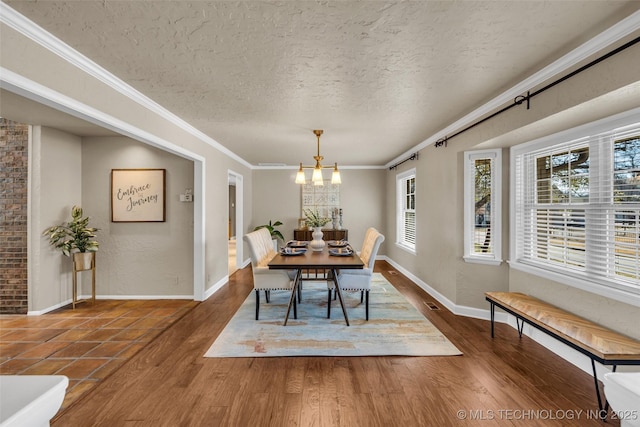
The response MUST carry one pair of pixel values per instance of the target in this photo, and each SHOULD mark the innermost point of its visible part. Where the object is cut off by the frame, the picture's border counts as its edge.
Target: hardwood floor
(500, 381)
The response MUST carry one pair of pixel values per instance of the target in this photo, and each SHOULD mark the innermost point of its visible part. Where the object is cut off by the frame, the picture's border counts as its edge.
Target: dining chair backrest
(265, 279)
(260, 246)
(372, 241)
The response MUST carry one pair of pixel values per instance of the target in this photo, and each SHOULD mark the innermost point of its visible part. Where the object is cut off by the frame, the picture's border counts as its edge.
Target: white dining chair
(356, 279)
(264, 279)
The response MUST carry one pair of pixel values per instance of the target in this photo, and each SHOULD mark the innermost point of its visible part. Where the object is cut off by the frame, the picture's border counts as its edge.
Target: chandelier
(316, 177)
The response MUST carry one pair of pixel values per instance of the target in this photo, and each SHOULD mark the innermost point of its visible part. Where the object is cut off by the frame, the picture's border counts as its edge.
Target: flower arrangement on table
(314, 219)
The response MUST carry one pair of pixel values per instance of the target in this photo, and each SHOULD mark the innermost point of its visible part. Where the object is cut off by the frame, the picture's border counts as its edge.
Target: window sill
(582, 283)
(411, 250)
(481, 260)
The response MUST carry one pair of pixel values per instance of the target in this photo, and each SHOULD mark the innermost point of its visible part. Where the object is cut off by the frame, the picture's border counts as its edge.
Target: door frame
(239, 226)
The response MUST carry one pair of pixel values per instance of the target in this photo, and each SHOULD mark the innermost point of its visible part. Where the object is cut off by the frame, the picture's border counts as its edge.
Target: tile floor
(85, 344)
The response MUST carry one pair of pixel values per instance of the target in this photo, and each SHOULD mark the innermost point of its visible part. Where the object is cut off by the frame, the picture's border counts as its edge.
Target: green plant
(314, 219)
(73, 236)
(272, 229)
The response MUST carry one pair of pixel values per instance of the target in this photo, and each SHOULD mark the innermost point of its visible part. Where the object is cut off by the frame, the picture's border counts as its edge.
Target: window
(577, 207)
(482, 202)
(406, 210)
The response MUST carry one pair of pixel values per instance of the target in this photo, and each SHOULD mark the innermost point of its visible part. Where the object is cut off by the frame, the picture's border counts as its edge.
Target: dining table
(308, 259)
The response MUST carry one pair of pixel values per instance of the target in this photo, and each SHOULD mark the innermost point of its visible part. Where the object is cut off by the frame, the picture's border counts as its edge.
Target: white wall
(135, 259)
(141, 258)
(55, 186)
(362, 198)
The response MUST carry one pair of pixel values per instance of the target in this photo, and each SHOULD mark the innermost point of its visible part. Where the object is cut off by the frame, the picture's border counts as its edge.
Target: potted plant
(75, 237)
(275, 234)
(316, 221)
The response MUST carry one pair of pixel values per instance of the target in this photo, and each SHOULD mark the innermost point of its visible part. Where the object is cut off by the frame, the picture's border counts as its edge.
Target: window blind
(578, 207)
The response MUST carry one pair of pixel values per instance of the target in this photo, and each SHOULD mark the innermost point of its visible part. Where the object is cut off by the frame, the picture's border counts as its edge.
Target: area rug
(394, 327)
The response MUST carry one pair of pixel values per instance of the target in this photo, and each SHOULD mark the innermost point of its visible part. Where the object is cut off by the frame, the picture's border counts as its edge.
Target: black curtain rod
(522, 98)
(414, 156)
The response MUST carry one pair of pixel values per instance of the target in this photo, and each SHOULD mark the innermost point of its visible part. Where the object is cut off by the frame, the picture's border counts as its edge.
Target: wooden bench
(595, 341)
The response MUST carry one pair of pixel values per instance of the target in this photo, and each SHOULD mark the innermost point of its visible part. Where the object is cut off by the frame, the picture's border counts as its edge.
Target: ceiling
(258, 76)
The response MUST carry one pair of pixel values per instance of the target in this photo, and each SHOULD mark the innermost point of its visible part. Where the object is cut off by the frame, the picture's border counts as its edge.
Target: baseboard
(215, 287)
(208, 292)
(567, 353)
(48, 309)
(460, 310)
(109, 297)
(140, 297)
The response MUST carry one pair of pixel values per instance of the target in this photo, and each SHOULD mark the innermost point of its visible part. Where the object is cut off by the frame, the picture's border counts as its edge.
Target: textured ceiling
(378, 77)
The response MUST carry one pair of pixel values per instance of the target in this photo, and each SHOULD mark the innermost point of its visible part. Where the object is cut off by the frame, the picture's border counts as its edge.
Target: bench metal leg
(493, 317)
(520, 324)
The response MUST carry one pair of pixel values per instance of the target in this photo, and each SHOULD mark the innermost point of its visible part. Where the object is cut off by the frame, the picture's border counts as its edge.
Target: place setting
(289, 251)
(340, 248)
(297, 244)
(294, 247)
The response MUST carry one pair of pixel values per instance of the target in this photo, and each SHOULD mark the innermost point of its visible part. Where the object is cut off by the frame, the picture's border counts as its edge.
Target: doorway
(234, 232)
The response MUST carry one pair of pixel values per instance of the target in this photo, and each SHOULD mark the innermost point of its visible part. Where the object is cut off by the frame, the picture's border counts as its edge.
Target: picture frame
(323, 198)
(138, 195)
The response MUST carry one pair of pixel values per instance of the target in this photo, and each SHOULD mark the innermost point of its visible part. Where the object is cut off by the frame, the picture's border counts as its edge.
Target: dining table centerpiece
(316, 221)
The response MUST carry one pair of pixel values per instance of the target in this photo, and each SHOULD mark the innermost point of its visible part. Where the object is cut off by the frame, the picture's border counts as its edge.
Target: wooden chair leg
(329, 304)
(361, 296)
(267, 295)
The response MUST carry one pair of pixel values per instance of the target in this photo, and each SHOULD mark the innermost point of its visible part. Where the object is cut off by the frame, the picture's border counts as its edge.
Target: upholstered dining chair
(359, 280)
(261, 247)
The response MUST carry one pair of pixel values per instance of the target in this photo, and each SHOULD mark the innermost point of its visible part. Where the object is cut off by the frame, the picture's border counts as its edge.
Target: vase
(317, 244)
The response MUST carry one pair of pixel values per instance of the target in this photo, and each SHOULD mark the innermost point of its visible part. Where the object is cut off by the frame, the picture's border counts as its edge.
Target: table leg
(296, 282)
(334, 273)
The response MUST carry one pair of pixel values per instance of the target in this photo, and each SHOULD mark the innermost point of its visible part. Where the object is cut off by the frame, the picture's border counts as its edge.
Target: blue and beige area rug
(395, 327)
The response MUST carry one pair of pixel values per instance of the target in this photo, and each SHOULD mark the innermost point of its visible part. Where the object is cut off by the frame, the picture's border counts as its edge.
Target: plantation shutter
(410, 211)
(578, 207)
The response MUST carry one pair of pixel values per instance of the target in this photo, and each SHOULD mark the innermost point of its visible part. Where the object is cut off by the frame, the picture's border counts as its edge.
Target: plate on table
(292, 251)
(297, 243)
(346, 251)
(338, 243)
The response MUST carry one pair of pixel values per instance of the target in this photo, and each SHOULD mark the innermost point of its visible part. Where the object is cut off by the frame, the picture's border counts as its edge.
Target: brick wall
(13, 217)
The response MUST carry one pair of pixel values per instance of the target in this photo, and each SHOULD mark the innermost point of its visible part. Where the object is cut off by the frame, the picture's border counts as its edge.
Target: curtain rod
(520, 99)
(414, 156)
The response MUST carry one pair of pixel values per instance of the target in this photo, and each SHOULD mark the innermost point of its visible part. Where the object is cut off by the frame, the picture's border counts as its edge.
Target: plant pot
(317, 244)
(83, 260)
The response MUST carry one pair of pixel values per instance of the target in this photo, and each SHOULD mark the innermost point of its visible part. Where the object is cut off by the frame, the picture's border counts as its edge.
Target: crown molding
(31, 30)
(22, 86)
(613, 34)
(296, 167)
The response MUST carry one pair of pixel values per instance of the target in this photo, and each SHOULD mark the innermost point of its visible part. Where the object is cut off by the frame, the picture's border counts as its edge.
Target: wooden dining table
(316, 260)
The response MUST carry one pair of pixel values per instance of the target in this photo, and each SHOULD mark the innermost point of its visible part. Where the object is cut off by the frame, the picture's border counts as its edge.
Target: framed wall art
(138, 195)
(324, 198)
